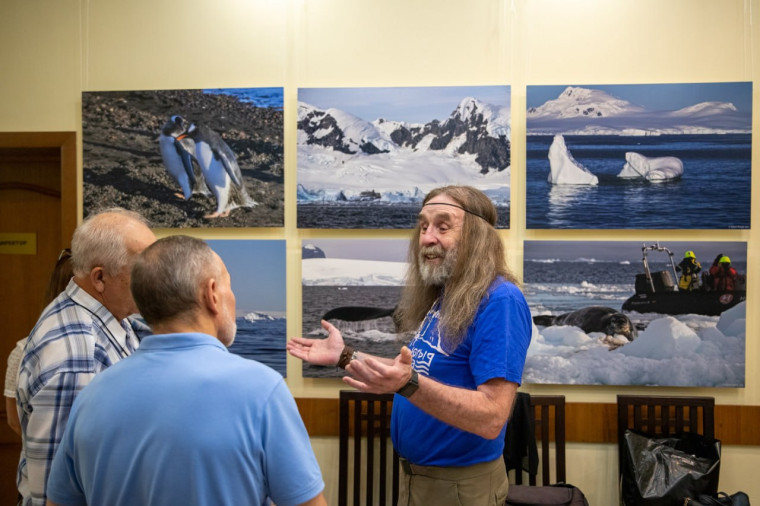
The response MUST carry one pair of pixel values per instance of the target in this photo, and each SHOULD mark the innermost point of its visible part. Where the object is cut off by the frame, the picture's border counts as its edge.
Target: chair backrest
(365, 441)
(547, 413)
(663, 416)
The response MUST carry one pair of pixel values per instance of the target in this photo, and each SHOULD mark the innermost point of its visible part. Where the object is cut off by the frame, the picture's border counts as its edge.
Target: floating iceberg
(256, 317)
(564, 168)
(654, 170)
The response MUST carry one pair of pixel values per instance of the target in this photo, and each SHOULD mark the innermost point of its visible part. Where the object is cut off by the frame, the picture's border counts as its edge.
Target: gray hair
(168, 275)
(101, 241)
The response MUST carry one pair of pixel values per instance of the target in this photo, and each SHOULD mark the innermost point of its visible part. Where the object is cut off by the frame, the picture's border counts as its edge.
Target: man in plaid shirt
(82, 332)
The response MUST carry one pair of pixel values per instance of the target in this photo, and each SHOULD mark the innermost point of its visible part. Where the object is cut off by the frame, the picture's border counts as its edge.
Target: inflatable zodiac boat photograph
(659, 292)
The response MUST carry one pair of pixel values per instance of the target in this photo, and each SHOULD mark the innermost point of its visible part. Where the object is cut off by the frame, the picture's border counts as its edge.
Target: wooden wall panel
(587, 422)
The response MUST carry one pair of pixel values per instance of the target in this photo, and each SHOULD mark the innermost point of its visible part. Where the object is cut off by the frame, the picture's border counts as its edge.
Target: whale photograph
(259, 298)
(639, 156)
(636, 313)
(186, 158)
(368, 156)
(354, 284)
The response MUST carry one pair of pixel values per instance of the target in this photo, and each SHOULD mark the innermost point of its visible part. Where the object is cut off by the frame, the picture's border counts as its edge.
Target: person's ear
(97, 279)
(210, 296)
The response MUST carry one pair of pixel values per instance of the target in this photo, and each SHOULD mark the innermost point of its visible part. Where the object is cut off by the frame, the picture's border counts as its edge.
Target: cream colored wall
(52, 50)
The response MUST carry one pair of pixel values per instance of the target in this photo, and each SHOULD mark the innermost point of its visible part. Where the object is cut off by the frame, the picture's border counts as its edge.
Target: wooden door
(38, 198)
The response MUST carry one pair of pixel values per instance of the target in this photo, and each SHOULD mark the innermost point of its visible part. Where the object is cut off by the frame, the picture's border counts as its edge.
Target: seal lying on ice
(593, 319)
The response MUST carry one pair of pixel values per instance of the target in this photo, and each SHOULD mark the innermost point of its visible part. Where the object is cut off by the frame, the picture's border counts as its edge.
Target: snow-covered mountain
(583, 111)
(340, 131)
(474, 128)
(351, 272)
(256, 317)
(582, 102)
(343, 157)
(706, 109)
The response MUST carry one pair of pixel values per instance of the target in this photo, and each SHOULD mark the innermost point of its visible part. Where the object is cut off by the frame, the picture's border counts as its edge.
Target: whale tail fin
(358, 313)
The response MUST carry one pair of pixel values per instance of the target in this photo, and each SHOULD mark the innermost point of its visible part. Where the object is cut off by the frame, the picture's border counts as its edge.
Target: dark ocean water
(714, 192)
(376, 336)
(562, 286)
(260, 97)
(372, 214)
(262, 340)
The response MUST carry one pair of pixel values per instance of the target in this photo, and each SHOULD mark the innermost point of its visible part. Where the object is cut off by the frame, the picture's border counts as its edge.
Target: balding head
(181, 285)
(103, 249)
(109, 239)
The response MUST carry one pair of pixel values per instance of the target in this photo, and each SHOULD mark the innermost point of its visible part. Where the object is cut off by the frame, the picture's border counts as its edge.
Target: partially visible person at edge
(723, 275)
(59, 278)
(183, 421)
(458, 378)
(689, 267)
(81, 333)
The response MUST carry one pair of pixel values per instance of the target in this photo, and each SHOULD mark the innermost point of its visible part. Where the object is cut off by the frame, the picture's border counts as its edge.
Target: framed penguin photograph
(186, 158)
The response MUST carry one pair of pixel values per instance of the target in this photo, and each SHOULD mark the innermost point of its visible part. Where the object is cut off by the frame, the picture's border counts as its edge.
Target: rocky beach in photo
(122, 164)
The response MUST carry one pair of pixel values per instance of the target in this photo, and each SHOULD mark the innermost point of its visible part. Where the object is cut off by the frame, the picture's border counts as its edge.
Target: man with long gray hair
(458, 378)
(81, 333)
(183, 421)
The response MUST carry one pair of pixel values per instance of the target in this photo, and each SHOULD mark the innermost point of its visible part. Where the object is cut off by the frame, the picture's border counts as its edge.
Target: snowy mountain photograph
(639, 156)
(355, 284)
(368, 156)
(259, 298)
(598, 320)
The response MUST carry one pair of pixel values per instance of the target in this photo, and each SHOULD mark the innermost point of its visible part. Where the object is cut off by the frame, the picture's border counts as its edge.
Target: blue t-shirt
(183, 421)
(494, 347)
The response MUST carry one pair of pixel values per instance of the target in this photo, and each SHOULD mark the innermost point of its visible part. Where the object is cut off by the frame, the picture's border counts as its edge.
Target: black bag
(552, 495)
(662, 471)
(719, 499)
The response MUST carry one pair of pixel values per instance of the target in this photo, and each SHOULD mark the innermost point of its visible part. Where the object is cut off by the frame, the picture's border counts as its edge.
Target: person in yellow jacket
(689, 267)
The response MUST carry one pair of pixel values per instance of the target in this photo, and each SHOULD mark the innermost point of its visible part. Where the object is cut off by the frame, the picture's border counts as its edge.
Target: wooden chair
(365, 443)
(548, 419)
(663, 416)
(365, 431)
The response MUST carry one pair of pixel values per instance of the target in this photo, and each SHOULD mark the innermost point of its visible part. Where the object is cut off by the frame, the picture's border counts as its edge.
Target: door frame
(66, 143)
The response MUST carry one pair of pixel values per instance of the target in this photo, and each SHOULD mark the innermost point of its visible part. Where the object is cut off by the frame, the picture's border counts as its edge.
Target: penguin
(220, 169)
(179, 157)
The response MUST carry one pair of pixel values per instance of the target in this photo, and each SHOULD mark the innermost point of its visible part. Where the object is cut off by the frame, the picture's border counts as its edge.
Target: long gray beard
(437, 275)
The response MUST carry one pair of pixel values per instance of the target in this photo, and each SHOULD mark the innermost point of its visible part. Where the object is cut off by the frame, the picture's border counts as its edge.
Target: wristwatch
(411, 386)
(346, 356)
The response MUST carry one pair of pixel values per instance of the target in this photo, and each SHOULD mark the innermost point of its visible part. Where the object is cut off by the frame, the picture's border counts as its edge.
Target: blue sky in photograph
(387, 250)
(657, 97)
(257, 269)
(410, 104)
(631, 251)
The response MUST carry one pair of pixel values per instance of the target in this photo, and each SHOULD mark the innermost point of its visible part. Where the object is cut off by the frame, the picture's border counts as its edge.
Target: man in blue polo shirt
(458, 378)
(182, 420)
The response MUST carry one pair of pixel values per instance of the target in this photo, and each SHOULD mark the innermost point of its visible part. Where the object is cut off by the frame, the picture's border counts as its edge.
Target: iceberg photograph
(186, 158)
(368, 156)
(355, 284)
(639, 156)
(631, 313)
(259, 298)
